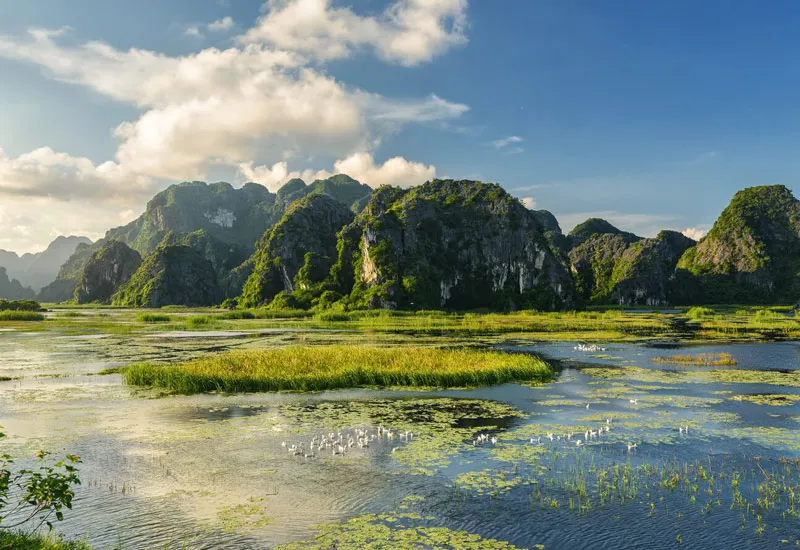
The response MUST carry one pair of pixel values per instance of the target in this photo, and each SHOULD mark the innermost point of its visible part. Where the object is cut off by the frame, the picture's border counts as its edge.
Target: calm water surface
(212, 471)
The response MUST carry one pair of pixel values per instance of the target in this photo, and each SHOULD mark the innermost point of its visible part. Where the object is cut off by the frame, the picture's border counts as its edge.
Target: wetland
(613, 447)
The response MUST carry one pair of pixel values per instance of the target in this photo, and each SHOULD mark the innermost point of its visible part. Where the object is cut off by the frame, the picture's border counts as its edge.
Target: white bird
(608, 421)
(550, 436)
(634, 401)
(578, 442)
(631, 447)
(494, 441)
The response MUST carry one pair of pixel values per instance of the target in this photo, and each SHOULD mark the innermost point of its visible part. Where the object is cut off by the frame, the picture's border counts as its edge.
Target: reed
(11, 315)
(153, 318)
(306, 368)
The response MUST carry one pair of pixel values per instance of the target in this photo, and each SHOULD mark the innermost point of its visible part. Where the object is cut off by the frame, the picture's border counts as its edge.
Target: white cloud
(396, 171)
(46, 173)
(695, 233)
(249, 107)
(528, 202)
(408, 32)
(503, 142)
(227, 107)
(221, 25)
(192, 31)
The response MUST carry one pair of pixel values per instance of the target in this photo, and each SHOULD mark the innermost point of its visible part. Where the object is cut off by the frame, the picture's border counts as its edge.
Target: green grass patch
(699, 312)
(305, 368)
(700, 360)
(153, 318)
(11, 315)
(20, 541)
(199, 321)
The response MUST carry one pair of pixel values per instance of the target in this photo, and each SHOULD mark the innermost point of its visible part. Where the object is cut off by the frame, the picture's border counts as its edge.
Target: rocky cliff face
(223, 256)
(171, 275)
(298, 251)
(107, 270)
(63, 288)
(234, 216)
(612, 268)
(12, 289)
(453, 244)
(752, 254)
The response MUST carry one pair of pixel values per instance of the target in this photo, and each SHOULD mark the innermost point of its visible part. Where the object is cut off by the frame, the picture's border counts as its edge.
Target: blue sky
(651, 114)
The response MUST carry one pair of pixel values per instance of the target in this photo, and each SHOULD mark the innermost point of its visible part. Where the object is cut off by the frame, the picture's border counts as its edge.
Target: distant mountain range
(37, 270)
(445, 244)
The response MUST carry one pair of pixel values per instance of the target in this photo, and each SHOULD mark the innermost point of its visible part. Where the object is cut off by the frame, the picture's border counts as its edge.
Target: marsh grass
(22, 541)
(153, 318)
(10, 315)
(305, 368)
(700, 360)
(199, 321)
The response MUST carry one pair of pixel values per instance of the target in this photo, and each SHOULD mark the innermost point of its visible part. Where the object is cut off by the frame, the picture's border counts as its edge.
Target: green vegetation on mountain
(751, 255)
(233, 216)
(171, 275)
(107, 270)
(597, 226)
(610, 269)
(223, 256)
(341, 188)
(63, 288)
(298, 252)
(447, 243)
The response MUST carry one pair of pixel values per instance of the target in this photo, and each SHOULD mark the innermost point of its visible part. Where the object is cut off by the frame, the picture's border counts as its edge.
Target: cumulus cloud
(528, 202)
(695, 233)
(192, 30)
(46, 173)
(396, 171)
(221, 25)
(408, 32)
(250, 107)
(226, 106)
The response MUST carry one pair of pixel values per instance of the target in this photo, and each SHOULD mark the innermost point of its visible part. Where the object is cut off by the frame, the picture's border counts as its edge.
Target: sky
(649, 114)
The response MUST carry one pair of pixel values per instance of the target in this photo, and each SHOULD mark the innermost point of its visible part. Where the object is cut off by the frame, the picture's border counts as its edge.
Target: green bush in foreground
(11, 315)
(303, 368)
(20, 541)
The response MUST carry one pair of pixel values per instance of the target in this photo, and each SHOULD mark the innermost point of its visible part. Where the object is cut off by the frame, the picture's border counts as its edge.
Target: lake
(682, 456)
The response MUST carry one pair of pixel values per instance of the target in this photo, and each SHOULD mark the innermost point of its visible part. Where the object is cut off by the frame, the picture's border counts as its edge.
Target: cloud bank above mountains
(263, 107)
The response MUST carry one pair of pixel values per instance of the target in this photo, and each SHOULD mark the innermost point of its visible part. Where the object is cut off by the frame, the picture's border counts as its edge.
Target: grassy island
(305, 368)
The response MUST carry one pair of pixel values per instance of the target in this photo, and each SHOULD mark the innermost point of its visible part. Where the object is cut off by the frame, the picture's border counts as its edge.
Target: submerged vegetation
(700, 360)
(299, 368)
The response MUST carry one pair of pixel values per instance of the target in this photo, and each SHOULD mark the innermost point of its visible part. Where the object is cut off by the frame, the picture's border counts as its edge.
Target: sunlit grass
(305, 368)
